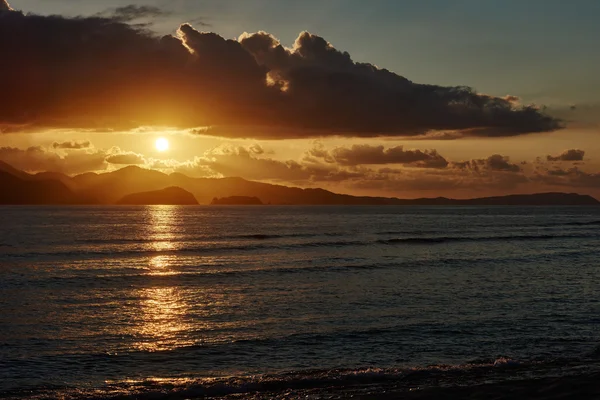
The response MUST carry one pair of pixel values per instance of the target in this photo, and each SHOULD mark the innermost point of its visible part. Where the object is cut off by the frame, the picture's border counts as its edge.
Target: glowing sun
(162, 144)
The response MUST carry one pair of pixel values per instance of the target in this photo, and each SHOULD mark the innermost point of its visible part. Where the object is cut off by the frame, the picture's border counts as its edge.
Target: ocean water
(273, 301)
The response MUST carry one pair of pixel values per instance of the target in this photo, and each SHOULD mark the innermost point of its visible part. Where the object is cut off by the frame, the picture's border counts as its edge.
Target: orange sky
(308, 115)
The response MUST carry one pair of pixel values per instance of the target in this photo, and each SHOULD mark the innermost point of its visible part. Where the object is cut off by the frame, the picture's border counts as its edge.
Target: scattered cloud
(494, 162)
(73, 145)
(571, 177)
(38, 159)
(199, 21)
(371, 155)
(568, 155)
(73, 157)
(133, 12)
(125, 158)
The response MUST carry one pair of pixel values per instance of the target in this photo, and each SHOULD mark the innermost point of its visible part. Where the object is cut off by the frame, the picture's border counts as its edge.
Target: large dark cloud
(568, 155)
(101, 72)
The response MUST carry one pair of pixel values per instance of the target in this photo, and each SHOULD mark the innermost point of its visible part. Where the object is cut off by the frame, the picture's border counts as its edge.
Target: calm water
(112, 300)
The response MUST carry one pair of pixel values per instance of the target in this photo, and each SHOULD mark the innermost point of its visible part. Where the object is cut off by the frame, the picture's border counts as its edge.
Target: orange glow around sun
(161, 144)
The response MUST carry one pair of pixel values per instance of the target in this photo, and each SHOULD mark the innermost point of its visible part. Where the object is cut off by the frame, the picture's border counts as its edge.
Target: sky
(357, 97)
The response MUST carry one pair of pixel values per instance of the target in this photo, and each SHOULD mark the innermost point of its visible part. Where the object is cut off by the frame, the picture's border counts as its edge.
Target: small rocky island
(236, 201)
(169, 196)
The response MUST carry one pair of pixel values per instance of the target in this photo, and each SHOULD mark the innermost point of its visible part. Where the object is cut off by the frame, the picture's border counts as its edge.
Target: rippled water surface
(97, 296)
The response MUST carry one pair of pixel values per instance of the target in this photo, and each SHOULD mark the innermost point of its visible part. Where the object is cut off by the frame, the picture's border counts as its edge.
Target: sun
(162, 144)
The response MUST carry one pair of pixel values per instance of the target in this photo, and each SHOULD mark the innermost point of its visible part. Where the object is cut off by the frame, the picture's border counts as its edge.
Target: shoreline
(550, 382)
(580, 387)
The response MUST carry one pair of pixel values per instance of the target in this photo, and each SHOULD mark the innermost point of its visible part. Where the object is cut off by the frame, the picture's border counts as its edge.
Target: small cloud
(126, 158)
(496, 162)
(568, 155)
(133, 12)
(256, 149)
(199, 21)
(74, 145)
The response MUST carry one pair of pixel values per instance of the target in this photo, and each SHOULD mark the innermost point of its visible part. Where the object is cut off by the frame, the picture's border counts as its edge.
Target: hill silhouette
(16, 190)
(168, 196)
(112, 187)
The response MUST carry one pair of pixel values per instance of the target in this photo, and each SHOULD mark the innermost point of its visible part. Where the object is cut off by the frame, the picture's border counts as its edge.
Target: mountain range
(19, 187)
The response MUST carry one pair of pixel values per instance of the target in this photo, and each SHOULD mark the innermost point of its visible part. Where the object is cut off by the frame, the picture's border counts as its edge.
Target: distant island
(135, 185)
(168, 196)
(237, 201)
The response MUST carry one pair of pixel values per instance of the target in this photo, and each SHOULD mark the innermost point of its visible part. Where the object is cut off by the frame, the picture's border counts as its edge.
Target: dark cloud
(133, 12)
(572, 177)
(568, 155)
(341, 94)
(101, 72)
(495, 162)
(74, 145)
(124, 158)
(367, 154)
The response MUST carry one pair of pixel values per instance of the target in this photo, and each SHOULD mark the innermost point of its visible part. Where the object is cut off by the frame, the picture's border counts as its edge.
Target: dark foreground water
(278, 301)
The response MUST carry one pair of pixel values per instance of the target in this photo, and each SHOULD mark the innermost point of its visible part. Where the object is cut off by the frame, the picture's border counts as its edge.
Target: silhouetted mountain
(22, 191)
(538, 199)
(9, 169)
(237, 200)
(110, 187)
(56, 176)
(168, 196)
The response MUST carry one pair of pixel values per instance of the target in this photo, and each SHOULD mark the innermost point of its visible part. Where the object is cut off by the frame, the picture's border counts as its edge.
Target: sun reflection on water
(163, 222)
(163, 319)
(163, 309)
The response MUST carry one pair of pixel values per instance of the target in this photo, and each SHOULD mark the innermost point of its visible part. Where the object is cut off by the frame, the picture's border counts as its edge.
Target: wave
(253, 236)
(210, 248)
(202, 249)
(584, 223)
(450, 239)
(327, 383)
(475, 229)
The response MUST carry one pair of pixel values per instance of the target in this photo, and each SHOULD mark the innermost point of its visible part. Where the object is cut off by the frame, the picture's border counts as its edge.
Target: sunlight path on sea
(162, 309)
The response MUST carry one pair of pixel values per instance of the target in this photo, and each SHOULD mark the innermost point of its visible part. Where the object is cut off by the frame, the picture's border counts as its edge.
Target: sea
(270, 302)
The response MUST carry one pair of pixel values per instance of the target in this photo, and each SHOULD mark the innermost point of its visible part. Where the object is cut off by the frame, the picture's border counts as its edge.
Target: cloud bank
(392, 170)
(103, 73)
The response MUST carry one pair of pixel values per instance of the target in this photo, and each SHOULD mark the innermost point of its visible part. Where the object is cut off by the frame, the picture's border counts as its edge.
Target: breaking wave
(333, 383)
